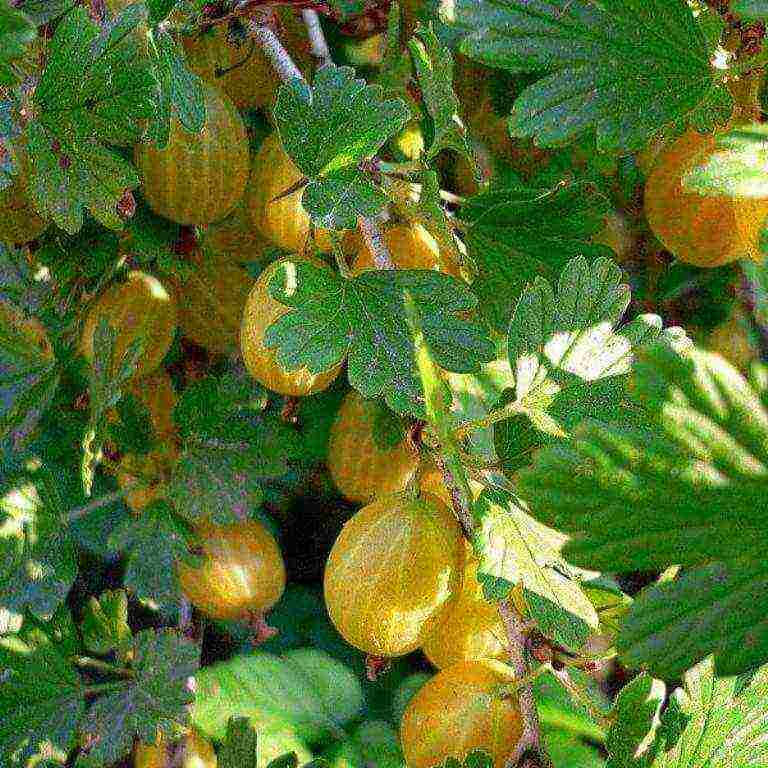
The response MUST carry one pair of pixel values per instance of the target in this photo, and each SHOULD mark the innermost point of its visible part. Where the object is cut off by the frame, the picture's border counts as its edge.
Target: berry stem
(103, 501)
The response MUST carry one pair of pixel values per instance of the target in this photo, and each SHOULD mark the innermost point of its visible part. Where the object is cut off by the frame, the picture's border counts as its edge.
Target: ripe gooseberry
(261, 310)
(241, 573)
(469, 627)
(198, 177)
(394, 565)
(193, 752)
(467, 706)
(361, 466)
(703, 230)
(140, 308)
(411, 247)
(283, 221)
(211, 302)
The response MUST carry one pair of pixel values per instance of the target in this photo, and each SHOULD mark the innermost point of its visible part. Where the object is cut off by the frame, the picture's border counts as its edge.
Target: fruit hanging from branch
(261, 310)
(363, 463)
(470, 705)
(395, 564)
(139, 308)
(703, 230)
(241, 573)
(198, 177)
(193, 751)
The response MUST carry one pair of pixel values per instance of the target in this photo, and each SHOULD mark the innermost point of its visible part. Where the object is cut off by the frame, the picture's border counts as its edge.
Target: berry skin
(149, 472)
(241, 573)
(211, 302)
(706, 231)
(19, 221)
(198, 177)
(463, 707)
(261, 310)
(156, 393)
(284, 222)
(197, 752)
(361, 469)
(237, 238)
(469, 627)
(395, 564)
(141, 307)
(411, 247)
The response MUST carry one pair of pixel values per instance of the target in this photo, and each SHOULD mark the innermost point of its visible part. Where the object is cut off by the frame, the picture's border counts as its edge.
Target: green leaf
(41, 700)
(29, 375)
(474, 759)
(304, 691)
(180, 91)
(328, 129)
(433, 63)
(104, 624)
(718, 722)
(737, 167)
(150, 704)
(107, 377)
(635, 719)
(364, 319)
(513, 548)
(624, 70)
(153, 543)
(373, 743)
(240, 745)
(517, 234)
(682, 495)
(570, 358)
(45, 11)
(750, 10)
(16, 33)
(159, 9)
(96, 91)
(37, 557)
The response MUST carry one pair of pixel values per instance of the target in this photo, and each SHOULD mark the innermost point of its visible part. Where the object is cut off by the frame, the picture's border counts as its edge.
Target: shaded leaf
(104, 625)
(16, 32)
(240, 745)
(607, 73)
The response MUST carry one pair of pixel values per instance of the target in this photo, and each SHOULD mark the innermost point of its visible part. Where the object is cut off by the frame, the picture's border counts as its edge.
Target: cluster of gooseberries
(400, 576)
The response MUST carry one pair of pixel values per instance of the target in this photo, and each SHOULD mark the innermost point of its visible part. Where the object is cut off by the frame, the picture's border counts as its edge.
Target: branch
(317, 39)
(530, 744)
(275, 51)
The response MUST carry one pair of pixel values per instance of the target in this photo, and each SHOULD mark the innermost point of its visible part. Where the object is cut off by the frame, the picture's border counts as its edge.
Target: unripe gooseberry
(140, 308)
(702, 230)
(196, 752)
(411, 247)
(241, 572)
(211, 302)
(395, 564)
(469, 627)
(19, 220)
(237, 238)
(363, 467)
(156, 394)
(470, 705)
(367, 51)
(261, 310)
(198, 177)
(283, 221)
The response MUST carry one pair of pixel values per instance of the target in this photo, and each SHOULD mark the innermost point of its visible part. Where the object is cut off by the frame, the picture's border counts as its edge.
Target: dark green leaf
(104, 624)
(16, 33)
(45, 11)
(750, 10)
(374, 743)
(608, 74)
(41, 700)
(517, 234)
(433, 63)
(96, 91)
(37, 557)
(304, 691)
(336, 201)
(150, 703)
(29, 375)
(159, 9)
(513, 548)
(153, 543)
(364, 319)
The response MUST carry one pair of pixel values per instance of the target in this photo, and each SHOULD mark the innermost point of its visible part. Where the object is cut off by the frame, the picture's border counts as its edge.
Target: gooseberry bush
(383, 384)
